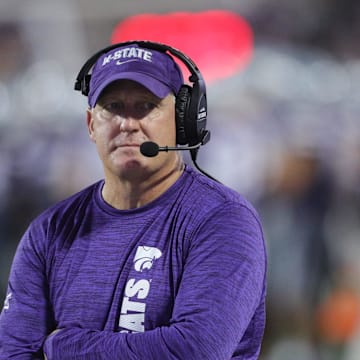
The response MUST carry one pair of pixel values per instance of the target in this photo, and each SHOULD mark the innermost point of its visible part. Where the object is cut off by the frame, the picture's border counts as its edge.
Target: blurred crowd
(285, 133)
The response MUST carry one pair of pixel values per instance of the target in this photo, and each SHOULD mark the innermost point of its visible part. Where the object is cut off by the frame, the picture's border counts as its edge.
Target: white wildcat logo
(145, 256)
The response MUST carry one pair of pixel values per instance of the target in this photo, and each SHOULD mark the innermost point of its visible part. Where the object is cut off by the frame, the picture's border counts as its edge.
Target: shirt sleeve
(25, 320)
(222, 286)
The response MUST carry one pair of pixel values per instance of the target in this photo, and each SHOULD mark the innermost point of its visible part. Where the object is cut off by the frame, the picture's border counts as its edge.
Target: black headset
(190, 105)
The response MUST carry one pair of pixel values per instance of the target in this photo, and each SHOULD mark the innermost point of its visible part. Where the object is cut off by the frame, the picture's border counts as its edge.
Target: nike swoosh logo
(124, 62)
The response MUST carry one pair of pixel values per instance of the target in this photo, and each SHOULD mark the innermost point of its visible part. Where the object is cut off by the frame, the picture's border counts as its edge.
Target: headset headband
(83, 75)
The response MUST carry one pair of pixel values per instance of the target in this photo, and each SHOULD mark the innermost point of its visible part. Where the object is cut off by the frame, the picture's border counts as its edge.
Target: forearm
(83, 344)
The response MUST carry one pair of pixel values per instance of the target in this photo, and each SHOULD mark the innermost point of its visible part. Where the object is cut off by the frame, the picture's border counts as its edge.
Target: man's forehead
(119, 87)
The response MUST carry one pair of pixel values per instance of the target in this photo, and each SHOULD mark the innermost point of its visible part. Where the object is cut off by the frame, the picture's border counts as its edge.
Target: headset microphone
(151, 149)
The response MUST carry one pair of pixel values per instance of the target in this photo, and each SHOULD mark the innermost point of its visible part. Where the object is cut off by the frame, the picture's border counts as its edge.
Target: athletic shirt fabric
(183, 277)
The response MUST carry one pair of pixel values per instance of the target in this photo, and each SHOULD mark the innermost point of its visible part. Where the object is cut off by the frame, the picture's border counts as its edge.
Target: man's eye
(114, 107)
(145, 106)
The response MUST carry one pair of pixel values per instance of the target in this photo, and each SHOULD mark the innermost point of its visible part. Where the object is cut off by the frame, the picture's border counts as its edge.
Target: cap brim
(155, 86)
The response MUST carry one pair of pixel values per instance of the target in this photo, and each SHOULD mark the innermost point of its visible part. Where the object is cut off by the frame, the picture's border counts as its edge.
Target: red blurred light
(219, 42)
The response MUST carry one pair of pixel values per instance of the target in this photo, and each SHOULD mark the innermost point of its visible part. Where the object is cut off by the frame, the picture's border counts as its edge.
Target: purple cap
(155, 70)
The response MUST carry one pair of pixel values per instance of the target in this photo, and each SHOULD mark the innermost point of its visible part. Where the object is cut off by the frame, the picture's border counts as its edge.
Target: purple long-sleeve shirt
(180, 278)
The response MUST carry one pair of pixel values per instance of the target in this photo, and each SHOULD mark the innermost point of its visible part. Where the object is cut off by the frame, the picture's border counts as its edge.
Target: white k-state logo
(124, 55)
(145, 257)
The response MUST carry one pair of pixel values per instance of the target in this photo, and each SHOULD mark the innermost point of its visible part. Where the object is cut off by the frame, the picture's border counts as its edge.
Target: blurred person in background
(21, 196)
(156, 261)
(294, 211)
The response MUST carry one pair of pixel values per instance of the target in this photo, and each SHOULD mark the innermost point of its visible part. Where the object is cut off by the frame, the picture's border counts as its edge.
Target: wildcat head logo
(145, 256)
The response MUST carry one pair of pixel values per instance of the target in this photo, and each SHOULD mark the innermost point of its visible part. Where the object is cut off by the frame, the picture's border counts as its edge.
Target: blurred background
(284, 115)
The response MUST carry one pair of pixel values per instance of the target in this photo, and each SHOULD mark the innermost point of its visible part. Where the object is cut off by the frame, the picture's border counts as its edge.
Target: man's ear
(90, 124)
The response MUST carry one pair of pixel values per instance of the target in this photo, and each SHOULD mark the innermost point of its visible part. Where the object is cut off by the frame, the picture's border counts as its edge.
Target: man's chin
(132, 168)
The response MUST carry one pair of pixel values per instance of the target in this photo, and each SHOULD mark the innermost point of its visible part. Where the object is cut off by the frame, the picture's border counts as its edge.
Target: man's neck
(125, 194)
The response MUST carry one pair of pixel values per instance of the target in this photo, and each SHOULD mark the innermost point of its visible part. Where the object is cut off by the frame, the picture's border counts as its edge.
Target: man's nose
(128, 123)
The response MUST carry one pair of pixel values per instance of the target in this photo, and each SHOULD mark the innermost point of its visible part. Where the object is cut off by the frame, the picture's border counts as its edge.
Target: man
(156, 261)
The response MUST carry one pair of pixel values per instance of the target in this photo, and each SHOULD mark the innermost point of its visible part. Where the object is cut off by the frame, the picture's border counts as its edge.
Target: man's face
(125, 116)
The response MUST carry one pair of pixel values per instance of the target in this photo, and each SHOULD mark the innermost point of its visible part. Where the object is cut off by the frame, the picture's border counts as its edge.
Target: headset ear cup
(181, 112)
